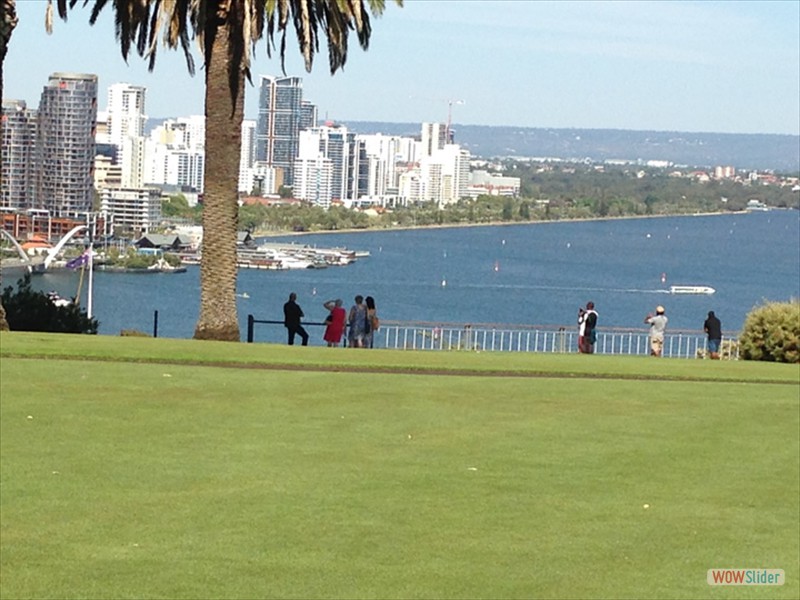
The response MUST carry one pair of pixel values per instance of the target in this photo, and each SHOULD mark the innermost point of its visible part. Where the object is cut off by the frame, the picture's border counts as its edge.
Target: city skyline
(663, 66)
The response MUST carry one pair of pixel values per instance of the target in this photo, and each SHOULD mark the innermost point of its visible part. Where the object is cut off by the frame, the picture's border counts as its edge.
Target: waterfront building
(126, 121)
(247, 156)
(36, 223)
(445, 175)
(308, 115)
(388, 158)
(410, 187)
(102, 137)
(314, 180)
(125, 112)
(279, 118)
(175, 153)
(181, 167)
(484, 183)
(183, 132)
(65, 145)
(133, 211)
(17, 168)
(348, 156)
(266, 179)
(433, 137)
(107, 174)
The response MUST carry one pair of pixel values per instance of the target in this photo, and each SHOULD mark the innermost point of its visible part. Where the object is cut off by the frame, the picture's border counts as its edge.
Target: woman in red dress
(336, 322)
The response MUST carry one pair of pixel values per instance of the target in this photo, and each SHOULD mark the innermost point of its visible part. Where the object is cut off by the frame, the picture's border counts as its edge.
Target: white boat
(691, 289)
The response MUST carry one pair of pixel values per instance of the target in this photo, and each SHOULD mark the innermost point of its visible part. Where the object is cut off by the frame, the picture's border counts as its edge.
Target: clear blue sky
(731, 67)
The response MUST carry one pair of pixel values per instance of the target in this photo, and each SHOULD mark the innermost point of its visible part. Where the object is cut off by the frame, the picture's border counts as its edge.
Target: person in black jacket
(292, 313)
(587, 323)
(713, 327)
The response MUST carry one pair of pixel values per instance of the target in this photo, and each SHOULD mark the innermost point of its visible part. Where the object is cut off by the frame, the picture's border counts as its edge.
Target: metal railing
(521, 338)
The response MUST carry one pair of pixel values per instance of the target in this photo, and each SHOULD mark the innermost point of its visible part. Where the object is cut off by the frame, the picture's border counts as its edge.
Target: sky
(724, 67)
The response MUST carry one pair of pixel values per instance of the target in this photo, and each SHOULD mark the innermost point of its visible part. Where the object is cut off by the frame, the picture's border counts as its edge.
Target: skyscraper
(126, 116)
(16, 174)
(279, 117)
(65, 144)
(247, 156)
(308, 115)
(347, 156)
(126, 121)
(434, 137)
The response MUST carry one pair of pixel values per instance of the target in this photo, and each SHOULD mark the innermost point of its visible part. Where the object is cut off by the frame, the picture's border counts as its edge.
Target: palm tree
(227, 32)
(8, 21)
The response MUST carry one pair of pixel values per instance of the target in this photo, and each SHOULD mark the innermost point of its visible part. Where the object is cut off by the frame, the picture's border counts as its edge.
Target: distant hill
(761, 152)
(704, 150)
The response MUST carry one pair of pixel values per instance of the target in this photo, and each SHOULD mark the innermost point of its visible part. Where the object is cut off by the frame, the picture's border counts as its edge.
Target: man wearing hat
(658, 324)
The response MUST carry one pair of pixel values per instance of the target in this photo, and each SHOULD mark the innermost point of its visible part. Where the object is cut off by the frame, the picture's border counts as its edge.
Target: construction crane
(450, 118)
(450, 104)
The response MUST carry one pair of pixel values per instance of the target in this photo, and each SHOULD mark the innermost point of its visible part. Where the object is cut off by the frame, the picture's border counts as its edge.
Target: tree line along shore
(574, 193)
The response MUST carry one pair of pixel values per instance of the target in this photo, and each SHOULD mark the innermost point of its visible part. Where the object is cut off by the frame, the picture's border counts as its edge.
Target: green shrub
(772, 333)
(27, 310)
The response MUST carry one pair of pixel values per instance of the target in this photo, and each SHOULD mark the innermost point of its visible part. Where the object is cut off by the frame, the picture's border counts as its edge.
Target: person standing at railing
(335, 322)
(357, 319)
(292, 314)
(372, 323)
(658, 325)
(713, 327)
(587, 322)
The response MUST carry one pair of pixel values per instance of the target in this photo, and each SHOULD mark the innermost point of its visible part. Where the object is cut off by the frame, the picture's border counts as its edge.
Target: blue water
(517, 274)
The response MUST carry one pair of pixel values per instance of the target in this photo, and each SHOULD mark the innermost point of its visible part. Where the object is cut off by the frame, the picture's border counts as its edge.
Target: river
(536, 274)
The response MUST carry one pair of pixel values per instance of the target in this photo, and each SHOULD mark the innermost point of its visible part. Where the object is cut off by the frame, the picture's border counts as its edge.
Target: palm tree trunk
(8, 21)
(218, 318)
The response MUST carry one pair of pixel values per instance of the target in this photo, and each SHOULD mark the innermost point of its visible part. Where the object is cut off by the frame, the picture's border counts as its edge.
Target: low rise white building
(135, 210)
(485, 183)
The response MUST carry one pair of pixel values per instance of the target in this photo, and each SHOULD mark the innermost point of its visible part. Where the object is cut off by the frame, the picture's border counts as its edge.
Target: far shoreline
(273, 234)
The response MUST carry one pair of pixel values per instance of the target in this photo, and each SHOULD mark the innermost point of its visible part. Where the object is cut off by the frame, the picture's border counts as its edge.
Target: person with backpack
(372, 322)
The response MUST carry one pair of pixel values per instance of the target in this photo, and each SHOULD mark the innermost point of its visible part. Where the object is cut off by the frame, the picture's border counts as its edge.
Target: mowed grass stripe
(490, 364)
(144, 481)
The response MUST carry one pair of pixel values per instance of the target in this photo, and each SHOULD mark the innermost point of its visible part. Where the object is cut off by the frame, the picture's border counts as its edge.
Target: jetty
(272, 256)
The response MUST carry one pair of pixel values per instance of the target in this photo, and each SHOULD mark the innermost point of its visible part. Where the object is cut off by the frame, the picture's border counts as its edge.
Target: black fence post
(155, 323)
(250, 322)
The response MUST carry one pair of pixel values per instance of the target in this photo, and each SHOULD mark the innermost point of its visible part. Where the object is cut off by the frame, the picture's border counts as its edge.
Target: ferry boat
(691, 289)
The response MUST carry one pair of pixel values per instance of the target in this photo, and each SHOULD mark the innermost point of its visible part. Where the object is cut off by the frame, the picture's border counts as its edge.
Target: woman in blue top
(357, 321)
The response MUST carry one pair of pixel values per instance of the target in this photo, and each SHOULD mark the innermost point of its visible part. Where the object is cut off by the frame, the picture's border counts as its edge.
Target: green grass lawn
(139, 468)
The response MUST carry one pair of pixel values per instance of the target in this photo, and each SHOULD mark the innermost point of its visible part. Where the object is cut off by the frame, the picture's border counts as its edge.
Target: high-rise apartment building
(175, 155)
(308, 115)
(434, 137)
(16, 171)
(314, 180)
(125, 122)
(445, 175)
(279, 118)
(65, 144)
(349, 163)
(126, 116)
(247, 156)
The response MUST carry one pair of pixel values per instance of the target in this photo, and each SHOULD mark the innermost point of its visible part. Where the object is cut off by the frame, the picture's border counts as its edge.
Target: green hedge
(772, 333)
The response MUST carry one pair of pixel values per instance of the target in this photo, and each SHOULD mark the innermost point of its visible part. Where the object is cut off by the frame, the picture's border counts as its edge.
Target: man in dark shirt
(713, 327)
(292, 313)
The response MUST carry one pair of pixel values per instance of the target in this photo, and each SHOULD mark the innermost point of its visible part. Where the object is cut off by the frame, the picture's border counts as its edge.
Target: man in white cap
(658, 324)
